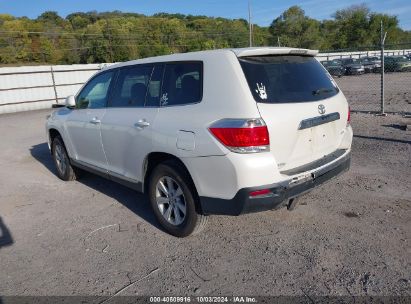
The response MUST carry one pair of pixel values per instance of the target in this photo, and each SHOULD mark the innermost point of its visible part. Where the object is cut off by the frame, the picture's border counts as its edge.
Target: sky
(263, 11)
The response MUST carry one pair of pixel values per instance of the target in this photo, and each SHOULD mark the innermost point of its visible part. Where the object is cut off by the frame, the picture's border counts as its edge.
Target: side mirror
(70, 101)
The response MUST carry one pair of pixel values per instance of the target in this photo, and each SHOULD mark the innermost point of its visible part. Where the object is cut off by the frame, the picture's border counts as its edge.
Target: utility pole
(249, 23)
(109, 41)
(383, 36)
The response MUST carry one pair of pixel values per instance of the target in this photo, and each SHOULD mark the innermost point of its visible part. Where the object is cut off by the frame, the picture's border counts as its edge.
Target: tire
(175, 210)
(65, 170)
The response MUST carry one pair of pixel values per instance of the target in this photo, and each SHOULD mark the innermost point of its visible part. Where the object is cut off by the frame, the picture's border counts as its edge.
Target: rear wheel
(174, 199)
(62, 161)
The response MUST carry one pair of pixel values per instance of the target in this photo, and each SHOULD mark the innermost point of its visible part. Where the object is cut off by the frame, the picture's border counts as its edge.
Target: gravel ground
(94, 237)
(364, 94)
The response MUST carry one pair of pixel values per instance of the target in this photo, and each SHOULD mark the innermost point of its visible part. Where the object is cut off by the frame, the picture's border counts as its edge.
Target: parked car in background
(371, 64)
(215, 132)
(334, 67)
(397, 64)
(352, 66)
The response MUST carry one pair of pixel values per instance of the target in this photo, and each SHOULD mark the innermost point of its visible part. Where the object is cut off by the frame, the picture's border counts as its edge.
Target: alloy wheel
(170, 200)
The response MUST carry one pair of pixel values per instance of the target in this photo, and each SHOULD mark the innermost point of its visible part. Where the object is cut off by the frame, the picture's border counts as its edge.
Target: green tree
(293, 28)
(50, 17)
(94, 37)
(390, 25)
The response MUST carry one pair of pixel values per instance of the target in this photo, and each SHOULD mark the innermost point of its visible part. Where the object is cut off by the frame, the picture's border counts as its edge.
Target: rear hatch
(301, 104)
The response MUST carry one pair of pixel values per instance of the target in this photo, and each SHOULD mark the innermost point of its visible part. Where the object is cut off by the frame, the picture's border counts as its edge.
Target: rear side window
(182, 83)
(287, 79)
(131, 87)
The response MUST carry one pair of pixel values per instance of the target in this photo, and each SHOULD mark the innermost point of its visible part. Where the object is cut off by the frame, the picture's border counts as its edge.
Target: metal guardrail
(360, 54)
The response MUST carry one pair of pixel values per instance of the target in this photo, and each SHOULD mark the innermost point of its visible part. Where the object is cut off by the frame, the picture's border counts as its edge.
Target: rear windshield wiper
(322, 91)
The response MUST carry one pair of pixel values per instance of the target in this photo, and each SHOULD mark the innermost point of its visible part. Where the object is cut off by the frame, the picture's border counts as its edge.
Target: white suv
(214, 132)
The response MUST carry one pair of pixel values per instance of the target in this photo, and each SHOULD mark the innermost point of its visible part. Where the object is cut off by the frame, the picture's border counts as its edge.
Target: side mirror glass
(70, 101)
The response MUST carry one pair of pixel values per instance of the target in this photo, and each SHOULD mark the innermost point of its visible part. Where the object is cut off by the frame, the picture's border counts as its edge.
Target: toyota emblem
(321, 109)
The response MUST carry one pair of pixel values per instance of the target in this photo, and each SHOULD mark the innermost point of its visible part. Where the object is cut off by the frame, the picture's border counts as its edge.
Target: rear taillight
(242, 135)
(349, 116)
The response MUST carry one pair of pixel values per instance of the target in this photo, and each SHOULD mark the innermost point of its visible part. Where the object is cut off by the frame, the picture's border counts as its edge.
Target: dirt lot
(363, 91)
(94, 237)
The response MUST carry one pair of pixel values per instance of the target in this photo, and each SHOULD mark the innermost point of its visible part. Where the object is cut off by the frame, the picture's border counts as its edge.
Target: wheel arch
(52, 134)
(155, 158)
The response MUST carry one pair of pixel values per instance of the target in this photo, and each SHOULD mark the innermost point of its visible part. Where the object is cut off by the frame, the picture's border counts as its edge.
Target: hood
(355, 66)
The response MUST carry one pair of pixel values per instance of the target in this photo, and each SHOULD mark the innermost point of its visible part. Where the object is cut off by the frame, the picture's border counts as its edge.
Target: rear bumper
(281, 193)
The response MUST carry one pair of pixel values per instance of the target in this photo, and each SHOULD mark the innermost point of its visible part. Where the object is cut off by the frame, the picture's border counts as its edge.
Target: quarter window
(94, 94)
(182, 84)
(131, 87)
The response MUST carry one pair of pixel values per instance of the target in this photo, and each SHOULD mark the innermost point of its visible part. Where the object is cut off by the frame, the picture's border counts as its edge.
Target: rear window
(287, 79)
(402, 59)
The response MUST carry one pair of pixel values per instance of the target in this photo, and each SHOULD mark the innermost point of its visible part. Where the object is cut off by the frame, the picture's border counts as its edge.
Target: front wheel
(62, 161)
(173, 199)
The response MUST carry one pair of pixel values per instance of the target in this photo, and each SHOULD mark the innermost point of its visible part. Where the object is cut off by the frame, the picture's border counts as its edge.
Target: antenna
(249, 23)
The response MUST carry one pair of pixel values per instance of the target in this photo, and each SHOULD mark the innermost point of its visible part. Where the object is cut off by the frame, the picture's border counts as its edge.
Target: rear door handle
(142, 123)
(95, 121)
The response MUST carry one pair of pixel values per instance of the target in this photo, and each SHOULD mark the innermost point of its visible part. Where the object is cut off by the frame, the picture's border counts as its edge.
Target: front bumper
(406, 68)
(280, 193)
(357, 71)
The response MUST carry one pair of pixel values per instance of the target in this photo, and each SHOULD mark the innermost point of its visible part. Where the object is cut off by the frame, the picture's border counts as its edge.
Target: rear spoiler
(246, 52)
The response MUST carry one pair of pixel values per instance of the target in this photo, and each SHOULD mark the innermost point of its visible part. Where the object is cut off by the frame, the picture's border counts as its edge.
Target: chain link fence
(368, 86)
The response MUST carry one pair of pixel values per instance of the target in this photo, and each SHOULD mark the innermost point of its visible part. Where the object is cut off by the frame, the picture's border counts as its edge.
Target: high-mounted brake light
(242, 135)
(299, 52)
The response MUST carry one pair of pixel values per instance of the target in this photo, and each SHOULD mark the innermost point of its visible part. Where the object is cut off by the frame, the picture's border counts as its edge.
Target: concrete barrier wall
(37, 87)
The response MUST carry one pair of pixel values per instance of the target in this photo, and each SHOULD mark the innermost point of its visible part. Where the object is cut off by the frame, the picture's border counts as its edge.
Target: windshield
(330, 63)
(287, 79)
(396, 59)
(351, 61)
(402, 59)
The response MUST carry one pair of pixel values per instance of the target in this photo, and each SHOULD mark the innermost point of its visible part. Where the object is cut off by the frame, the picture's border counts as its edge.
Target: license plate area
(302, 178)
